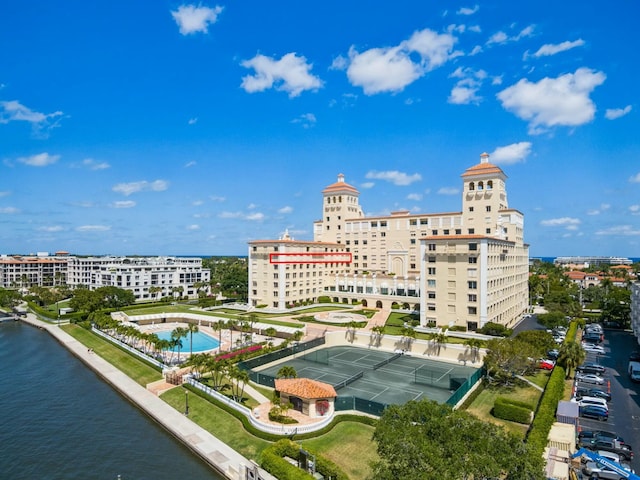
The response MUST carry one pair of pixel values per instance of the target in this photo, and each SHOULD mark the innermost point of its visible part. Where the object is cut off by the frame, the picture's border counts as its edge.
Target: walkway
(220, 456)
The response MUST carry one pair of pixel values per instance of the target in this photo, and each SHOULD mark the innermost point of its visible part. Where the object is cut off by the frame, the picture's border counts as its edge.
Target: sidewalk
(226, 461)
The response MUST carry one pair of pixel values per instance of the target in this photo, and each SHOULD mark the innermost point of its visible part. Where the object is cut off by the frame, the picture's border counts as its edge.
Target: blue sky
(155, 127)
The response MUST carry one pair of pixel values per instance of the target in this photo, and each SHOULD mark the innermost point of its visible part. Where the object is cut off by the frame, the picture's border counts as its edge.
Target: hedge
(273, 462)
(514, 411)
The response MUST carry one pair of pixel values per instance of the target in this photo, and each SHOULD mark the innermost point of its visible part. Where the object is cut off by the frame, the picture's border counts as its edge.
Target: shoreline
(218, 455)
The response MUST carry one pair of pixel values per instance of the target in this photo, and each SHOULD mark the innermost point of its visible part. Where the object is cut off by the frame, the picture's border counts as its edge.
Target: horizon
(154, 127)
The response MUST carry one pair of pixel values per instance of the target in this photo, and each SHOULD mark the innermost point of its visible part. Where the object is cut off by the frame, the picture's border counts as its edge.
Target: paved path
(220, 456)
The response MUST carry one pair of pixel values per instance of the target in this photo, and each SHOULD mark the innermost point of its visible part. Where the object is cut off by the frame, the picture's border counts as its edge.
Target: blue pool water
(201, 341)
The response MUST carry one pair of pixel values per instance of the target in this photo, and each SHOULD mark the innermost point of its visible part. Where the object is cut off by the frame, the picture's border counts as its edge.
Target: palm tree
(474, 345)
(297, 335)
(408, 335)
(191, 328)
(219, 326)
(570, 356)
(230, 325)
(241, 378)
(379, 333)
(439, 339)
(176, 337)
(271, 332)
(287, 371)
(198, 363)
(351, 330)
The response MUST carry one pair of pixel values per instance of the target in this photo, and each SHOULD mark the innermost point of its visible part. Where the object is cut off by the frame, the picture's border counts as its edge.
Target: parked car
(585, 401)
(593, 348)
(554, 354)
(593, 392)
(590, 436)
(609, 445)
(634, 356)
(596, 470)
(590, 378)
(594, 411)
(547, 364)
(591, 367)
(593, 337)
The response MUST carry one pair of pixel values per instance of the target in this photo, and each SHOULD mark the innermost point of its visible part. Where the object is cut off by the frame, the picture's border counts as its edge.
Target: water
(61, 421)
(201, 341)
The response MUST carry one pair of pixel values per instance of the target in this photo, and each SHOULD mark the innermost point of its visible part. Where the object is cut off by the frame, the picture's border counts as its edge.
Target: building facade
(147, 278)
(463, 268)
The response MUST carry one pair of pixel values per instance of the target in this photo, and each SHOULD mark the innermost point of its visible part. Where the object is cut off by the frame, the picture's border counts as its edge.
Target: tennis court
(385, 377)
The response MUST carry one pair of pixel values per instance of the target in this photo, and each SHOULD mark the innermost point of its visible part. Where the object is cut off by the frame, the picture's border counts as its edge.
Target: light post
(186, 402)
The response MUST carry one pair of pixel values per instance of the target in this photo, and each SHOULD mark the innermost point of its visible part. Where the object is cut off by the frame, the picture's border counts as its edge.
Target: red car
(547, 364)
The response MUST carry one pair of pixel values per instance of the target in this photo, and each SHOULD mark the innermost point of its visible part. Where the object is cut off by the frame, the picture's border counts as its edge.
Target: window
(472, 284)
(473, 246)
(472, 231)
(473, 259)
(473, 297)
(431, 295)
(446, 232)
(488, 231)
(431, 270)
(424, 221)
(431, 307)
(471, 209)
(458, 231)
(488, 208)
(412, 266)
(472, 310)
(432, 247)
(431, 259)
(434, 232)
(413, 241)
(431, 283)
(413, 221)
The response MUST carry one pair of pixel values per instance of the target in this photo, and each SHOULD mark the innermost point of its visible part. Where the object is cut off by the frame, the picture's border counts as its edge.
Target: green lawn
(350, 446)
(134, 368)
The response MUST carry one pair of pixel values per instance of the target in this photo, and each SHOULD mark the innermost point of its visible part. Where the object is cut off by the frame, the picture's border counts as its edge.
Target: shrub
(514, 411)
(495, 329)
(272, 461)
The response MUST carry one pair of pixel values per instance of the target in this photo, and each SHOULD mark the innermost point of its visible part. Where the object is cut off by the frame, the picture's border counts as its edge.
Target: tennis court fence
(387, 361)
(349, 380)
(282, 353)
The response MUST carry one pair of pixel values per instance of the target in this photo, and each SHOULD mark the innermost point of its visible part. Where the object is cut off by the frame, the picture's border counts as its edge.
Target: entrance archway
(297, 403)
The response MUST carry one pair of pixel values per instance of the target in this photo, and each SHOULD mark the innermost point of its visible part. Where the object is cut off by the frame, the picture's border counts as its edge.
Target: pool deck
(222, 458)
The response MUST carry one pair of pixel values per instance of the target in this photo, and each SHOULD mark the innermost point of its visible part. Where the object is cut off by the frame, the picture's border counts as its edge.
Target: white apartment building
(463, 268)
(165, 276)
(42, 269)
(147, 277)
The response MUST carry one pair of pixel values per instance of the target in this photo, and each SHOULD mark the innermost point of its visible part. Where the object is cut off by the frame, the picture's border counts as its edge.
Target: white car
(590, 378)
(592, 348)
(596, 470)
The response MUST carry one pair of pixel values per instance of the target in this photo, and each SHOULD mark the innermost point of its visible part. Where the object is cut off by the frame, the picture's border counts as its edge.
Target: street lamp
(186, 402)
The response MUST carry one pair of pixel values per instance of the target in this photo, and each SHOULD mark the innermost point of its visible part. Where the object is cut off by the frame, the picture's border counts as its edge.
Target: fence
(129, 348)
(465, 387)
(348, 402)
(282, 353)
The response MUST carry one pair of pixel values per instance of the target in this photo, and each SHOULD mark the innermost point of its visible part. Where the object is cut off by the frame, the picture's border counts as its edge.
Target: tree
(378, 331)
(439, 339)
(176, 338)
(191, 328)
(297, 335)
(425, 439)
(408, 336)
(351, 330)
(571, 355)
(271, 332)
(508, 358)
(541, 340)
(474, 345)
(287, 371)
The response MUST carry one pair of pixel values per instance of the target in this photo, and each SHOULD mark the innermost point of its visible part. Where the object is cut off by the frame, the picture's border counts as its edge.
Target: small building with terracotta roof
(310, 397)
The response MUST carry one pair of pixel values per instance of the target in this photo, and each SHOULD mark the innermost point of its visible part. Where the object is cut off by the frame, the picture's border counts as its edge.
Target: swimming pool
(201, 342)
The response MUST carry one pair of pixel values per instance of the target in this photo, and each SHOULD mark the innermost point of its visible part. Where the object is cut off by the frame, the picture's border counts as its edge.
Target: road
(624, 408)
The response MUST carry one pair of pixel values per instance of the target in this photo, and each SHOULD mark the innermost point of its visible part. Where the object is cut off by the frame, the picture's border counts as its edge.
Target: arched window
(480, 186)
(489, 184)
(472, 186)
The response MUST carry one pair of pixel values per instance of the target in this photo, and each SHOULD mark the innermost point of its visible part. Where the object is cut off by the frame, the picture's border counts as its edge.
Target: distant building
(146, 277)
(463, 268)
(584, 262)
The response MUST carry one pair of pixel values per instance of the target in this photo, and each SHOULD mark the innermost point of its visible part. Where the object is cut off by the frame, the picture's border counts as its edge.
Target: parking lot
(624, 407)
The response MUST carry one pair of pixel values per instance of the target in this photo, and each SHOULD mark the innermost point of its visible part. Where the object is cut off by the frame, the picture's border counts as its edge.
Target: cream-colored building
(462, 268)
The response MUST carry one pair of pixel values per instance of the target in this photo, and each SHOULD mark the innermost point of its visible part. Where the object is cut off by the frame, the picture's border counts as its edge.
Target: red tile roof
(305, 388)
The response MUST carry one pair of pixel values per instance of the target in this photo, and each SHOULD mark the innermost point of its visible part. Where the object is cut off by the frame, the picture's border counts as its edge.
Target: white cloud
(468, 11)
(307, 120)
(551, 49)
(635, 178)
(230, 215)
(93, 228)
(395, 177)
(510, 154)
(391, 69)
(257, 216)
(613, 113)
(289, 74)
(217, 198)
(339, 63)
(9, 210)
(475, 50)
(285, 210)
(448, 191)
(561, 222)
(41, 123)
(465, 90)
(621, 231)
(597, 211)
(634, 209)
(39, 160)
(190, 164)
(192, 121)
(414, 196)
(124, 204)
(501, 37)
(142, 186)
(367, 185)
(193, 19)
(51, 229)
(193, 227)
(561, 101)
(92, 164)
